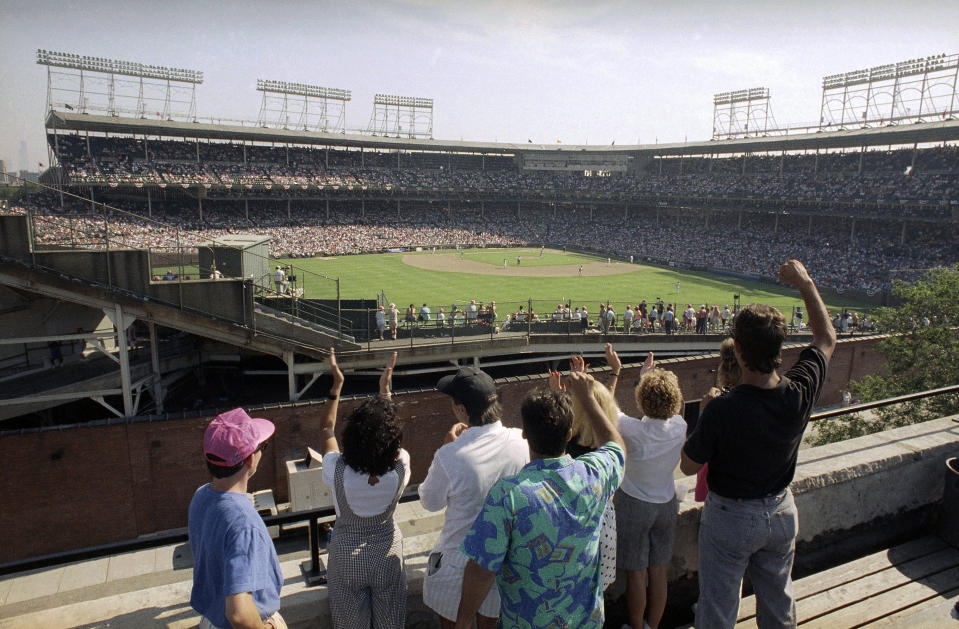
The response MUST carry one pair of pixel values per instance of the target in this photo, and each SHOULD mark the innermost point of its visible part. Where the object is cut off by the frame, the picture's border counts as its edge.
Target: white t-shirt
(462, 473)
(364, 499)
(652, 452)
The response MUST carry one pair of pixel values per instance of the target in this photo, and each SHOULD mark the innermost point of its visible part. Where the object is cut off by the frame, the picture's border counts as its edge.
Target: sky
(584, 72)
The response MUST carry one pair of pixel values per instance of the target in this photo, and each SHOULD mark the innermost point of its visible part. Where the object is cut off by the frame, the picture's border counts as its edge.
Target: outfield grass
(365, 276)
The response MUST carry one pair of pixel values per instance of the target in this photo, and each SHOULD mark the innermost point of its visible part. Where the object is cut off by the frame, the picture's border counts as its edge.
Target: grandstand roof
(925, 132)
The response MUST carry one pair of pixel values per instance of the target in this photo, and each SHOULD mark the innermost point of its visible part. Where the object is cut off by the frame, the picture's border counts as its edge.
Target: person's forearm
(241, 612)
(823, 333)
(476, 584)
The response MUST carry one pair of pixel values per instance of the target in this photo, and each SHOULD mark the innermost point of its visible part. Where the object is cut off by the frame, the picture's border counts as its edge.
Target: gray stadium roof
(903, 134)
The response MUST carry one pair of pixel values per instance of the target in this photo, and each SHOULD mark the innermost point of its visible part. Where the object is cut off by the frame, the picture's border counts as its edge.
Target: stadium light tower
(316, 108)
(83, 84)
(742, 113)
(917, 90)
(391, 113)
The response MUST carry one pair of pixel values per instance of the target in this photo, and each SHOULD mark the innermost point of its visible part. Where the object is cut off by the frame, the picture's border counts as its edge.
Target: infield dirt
(453, 263)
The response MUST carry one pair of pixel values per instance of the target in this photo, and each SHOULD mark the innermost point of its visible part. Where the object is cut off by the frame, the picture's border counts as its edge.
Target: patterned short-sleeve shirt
(539, 531)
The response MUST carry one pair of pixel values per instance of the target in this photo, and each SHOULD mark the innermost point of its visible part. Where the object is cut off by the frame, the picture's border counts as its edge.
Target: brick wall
(90, 485)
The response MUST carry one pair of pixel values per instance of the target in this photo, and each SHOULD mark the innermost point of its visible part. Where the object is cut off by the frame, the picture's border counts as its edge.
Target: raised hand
(336, 373)
(576, 363)
(612, 358)
(794, 273)
(387, 375)
(648, 365)
(578, 384)
(556, 381)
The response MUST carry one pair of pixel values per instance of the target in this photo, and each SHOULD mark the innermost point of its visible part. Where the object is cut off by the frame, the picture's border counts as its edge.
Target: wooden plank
(934, 613)
(876, 583)
(893, 601)
(853, 570)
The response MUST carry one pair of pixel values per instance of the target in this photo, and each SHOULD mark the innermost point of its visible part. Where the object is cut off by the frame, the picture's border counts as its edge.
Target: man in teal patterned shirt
(538, 533)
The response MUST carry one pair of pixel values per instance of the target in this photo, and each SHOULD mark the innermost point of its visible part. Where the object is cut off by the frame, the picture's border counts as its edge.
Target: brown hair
(729, 373)
(760, 331)
(658, 395)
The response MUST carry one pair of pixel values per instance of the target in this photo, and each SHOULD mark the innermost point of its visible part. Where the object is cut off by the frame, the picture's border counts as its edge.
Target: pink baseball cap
(233, 436)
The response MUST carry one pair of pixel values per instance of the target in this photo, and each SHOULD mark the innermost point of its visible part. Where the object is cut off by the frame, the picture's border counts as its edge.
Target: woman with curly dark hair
(367, 583)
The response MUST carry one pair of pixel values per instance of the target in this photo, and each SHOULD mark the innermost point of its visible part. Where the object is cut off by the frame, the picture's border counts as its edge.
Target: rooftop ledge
(837, 487)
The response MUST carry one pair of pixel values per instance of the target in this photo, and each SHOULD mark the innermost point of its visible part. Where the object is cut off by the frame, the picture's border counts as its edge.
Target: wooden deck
(912, 585)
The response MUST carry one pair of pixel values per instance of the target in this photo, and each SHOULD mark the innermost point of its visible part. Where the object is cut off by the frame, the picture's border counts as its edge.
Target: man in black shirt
(750, 437)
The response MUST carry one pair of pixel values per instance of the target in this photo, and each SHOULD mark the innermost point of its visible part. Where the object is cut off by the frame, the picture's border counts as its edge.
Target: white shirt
(652, 453)
(462, 473)
(364, 499)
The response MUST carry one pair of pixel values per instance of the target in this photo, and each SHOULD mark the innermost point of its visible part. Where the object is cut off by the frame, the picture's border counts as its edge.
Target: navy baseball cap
(469, 386)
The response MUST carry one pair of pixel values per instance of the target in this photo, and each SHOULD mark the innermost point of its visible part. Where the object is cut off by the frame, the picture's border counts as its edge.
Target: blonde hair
(729, 372)
(582, 428)
(658, 394)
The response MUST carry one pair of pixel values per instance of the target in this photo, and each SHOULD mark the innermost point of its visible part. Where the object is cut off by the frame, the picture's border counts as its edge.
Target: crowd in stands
(865, 258)
(874, 179)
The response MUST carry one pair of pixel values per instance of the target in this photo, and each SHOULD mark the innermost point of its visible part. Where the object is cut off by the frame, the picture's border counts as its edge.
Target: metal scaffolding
(917, 90)
(301, 106)
(402, 116)
(98, 85)
(742, 113)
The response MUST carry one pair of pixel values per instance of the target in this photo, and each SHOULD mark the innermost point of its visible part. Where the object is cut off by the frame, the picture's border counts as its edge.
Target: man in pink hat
(236, 573)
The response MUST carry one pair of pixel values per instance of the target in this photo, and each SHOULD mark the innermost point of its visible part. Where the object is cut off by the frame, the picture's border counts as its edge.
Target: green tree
(922, 352)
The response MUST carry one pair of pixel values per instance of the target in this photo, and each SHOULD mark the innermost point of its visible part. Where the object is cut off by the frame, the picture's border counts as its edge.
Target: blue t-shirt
(232, 553)
(539, 531)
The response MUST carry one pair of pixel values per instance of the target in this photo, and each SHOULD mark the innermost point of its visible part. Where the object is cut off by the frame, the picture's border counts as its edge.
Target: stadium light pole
(327, 99)
(391, 111)
(109, 69)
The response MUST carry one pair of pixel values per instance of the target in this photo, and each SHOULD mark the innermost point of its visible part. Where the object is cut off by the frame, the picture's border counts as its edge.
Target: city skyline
(498, 71)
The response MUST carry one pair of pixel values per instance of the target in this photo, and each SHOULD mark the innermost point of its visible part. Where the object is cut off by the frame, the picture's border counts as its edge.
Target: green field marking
(365, 276)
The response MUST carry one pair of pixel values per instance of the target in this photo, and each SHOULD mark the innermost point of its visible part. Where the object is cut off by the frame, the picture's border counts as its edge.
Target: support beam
(288, 358)
(155, 364)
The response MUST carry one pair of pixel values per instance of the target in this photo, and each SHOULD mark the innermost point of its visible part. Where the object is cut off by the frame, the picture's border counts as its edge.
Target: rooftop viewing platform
(877, 547)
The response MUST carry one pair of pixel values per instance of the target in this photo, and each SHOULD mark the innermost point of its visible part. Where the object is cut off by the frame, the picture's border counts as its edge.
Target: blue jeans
(735, 534)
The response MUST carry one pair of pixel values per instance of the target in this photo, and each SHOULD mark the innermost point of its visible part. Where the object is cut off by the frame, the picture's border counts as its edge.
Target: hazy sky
(591, 71)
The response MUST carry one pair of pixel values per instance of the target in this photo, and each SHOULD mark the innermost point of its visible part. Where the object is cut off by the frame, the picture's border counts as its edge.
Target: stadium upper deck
(927, 132)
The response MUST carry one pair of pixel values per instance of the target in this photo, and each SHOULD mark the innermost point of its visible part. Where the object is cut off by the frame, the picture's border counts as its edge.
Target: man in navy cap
(478, 451)
(236, 573)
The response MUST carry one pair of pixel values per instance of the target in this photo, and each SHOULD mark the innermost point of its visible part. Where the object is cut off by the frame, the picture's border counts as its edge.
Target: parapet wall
(844, 485)
(123, 479)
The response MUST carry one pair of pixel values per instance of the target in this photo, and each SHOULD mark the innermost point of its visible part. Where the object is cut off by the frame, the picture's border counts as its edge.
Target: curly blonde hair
(582, 428)
(658, 394)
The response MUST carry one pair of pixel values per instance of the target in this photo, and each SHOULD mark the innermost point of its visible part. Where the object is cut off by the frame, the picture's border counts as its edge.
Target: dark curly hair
(371, 438)
(547, 421)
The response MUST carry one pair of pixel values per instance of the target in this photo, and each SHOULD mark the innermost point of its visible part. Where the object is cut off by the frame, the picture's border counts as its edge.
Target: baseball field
(515, 276)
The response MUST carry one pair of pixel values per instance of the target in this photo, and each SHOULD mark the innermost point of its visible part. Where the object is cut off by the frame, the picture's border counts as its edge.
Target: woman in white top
(646, 504)
(367, 583)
